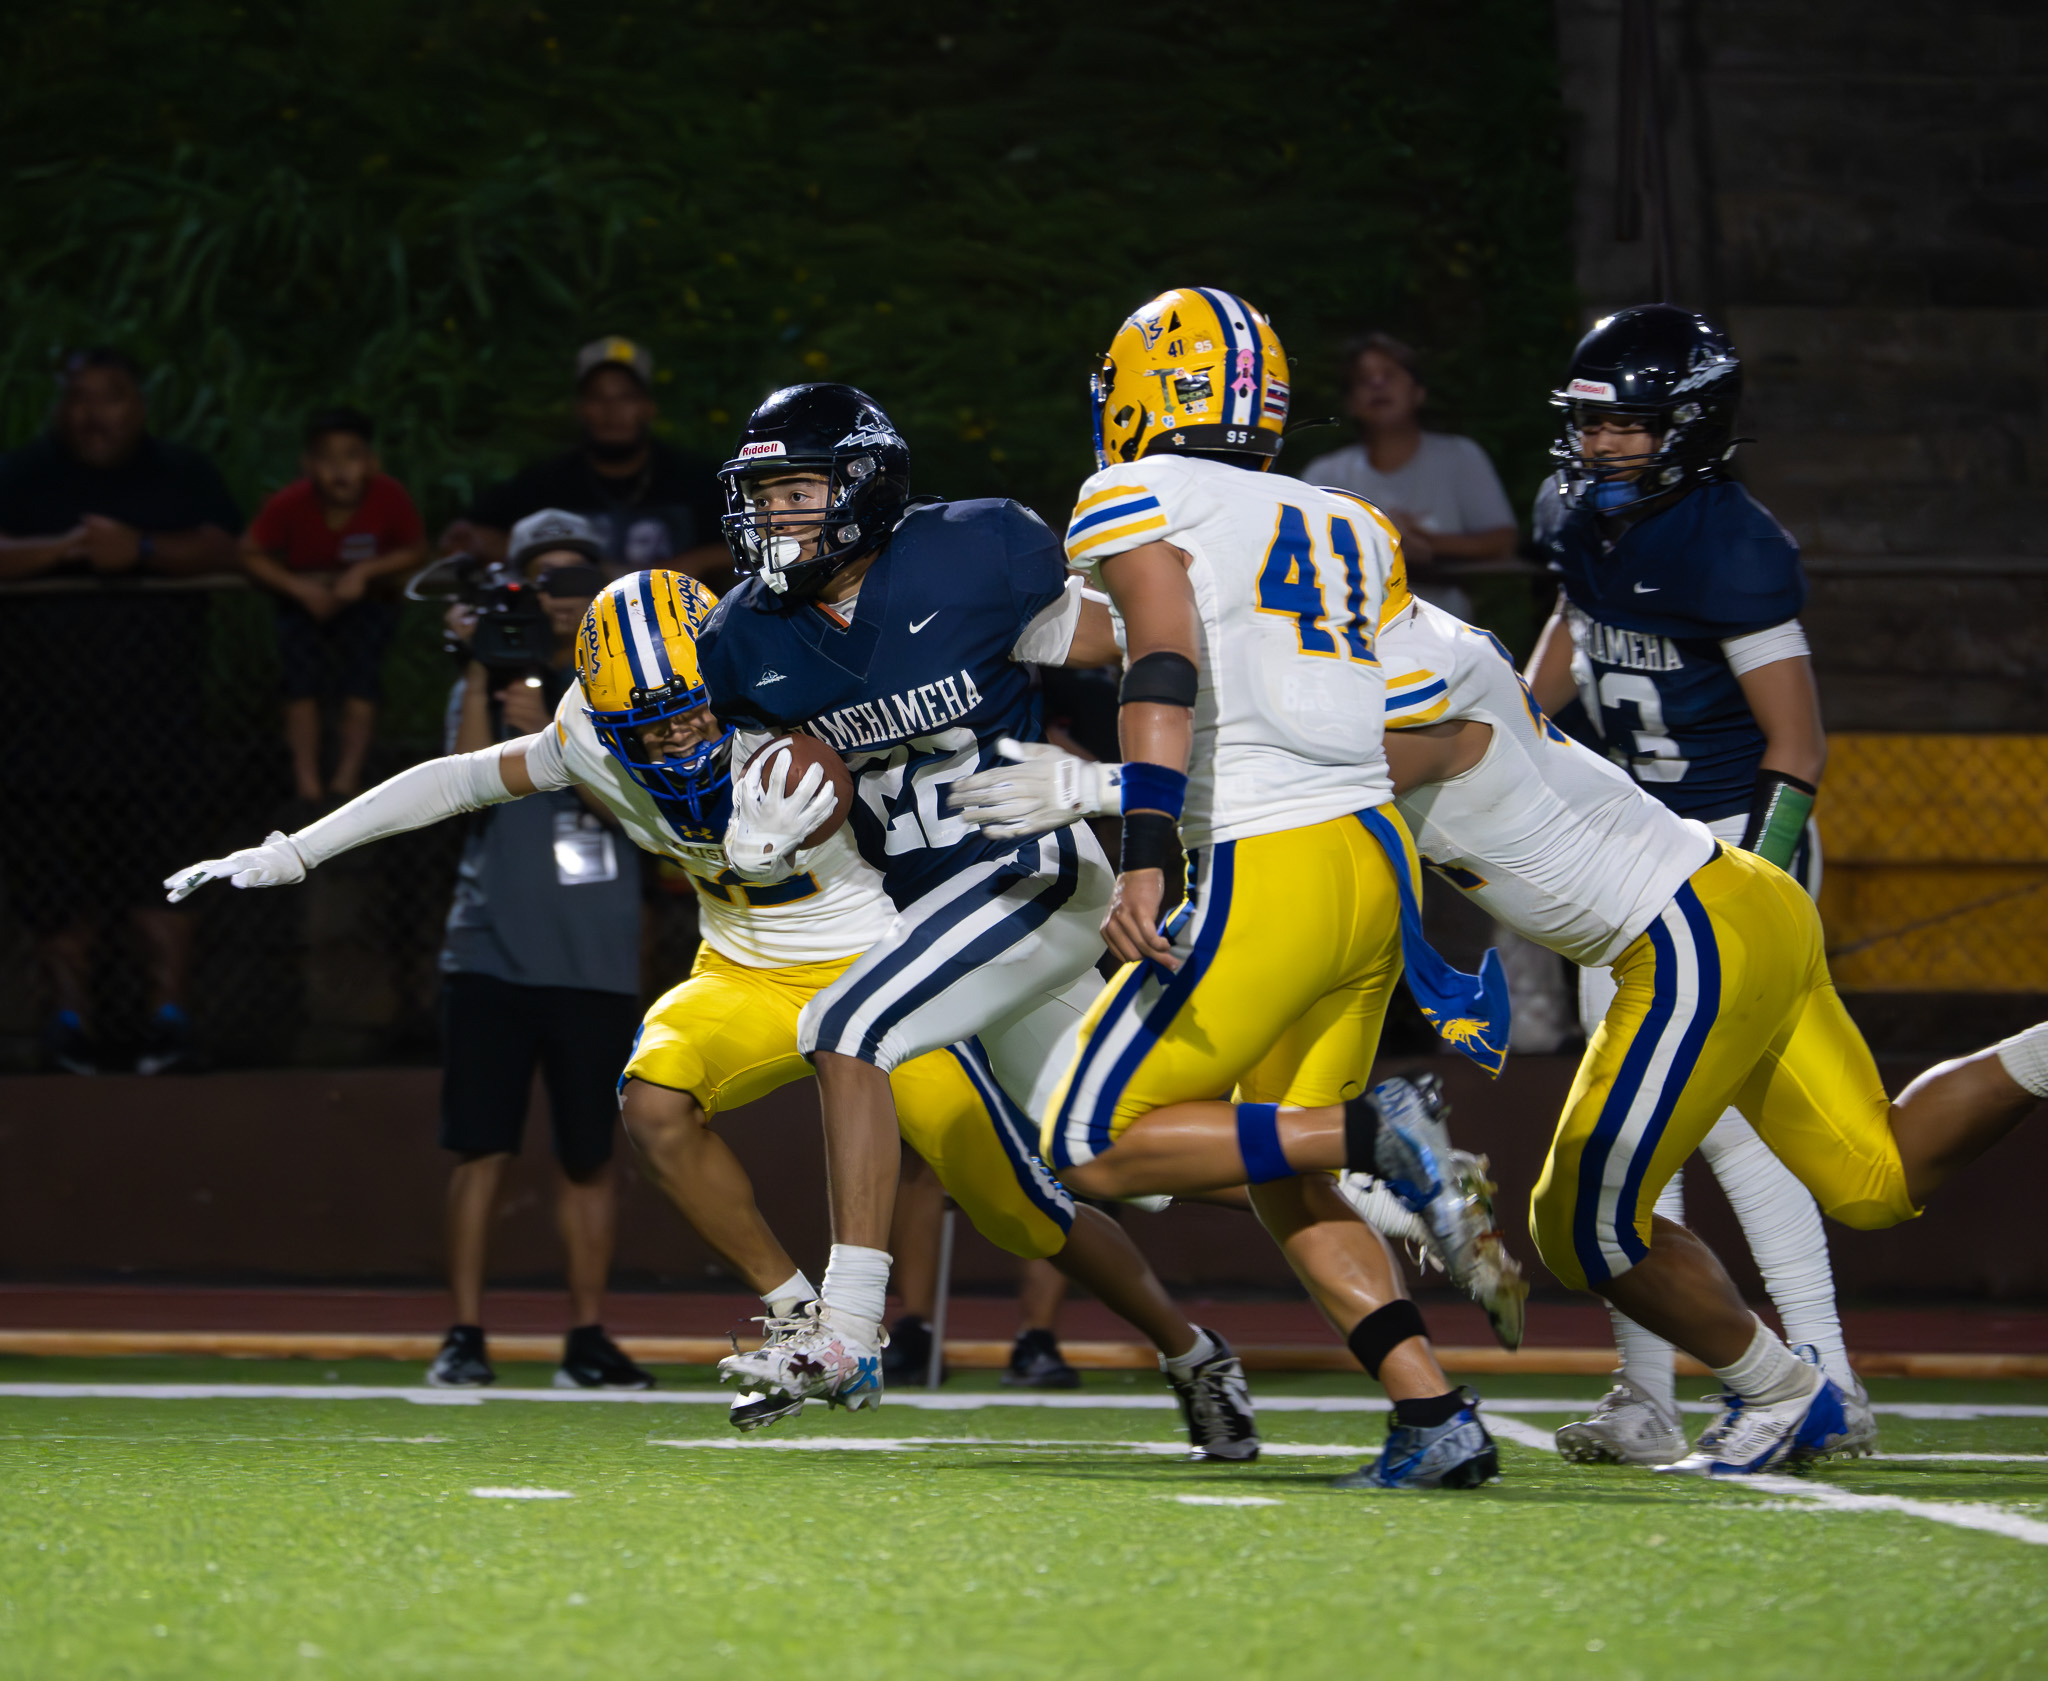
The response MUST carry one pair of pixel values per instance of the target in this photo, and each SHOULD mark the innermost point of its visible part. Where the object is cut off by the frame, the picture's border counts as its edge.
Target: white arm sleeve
(1765, 647)
(410, 800)
(546, 762)
(1047, 638)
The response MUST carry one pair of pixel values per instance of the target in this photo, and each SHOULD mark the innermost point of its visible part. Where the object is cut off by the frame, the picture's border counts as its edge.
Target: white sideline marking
(913, 1444)
(1975, 1458)
(1226, 1500)
(1990, 1519)
(921, 1400)
(522, 1494)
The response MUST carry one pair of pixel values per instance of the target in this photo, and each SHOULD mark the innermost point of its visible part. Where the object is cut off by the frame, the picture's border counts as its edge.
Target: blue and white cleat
(1455, 1454)
(1448, 1189)
(1861, 1439)
(1751, 1438)
(816, 1359)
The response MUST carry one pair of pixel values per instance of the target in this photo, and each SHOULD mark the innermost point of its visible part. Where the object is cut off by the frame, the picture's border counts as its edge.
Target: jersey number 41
(1291, 585)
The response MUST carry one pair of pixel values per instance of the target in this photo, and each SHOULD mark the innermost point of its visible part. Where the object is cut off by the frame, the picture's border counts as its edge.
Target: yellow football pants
(1724, 999)
(1288, 958)
(727, 1035)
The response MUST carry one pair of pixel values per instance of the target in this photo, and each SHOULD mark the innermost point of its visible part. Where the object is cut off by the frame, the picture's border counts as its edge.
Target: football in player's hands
(798, 756)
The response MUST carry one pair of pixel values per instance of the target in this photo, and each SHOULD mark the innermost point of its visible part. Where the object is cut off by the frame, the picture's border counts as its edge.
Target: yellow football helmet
(1195, 371)
(636, 661)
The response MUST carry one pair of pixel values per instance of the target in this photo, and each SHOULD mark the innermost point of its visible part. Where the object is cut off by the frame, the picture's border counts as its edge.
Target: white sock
(857, 1287)
(1183, 1366)
(1782, 1223)
(1646, 1358)
(1768, 1371)
(791, 1293)
(2025, 1057)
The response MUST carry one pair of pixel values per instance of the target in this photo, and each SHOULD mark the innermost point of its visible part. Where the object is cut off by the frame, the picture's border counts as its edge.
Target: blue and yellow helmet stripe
(637, 665)
(1196, 370)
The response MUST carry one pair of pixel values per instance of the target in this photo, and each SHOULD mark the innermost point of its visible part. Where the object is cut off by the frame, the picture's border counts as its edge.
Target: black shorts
(343, 655)
(493, 1034)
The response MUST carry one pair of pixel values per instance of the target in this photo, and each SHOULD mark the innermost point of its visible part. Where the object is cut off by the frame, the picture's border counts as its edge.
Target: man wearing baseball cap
(652, 504)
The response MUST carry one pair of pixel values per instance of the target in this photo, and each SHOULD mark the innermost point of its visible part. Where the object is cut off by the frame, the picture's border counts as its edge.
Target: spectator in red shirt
(327, 544)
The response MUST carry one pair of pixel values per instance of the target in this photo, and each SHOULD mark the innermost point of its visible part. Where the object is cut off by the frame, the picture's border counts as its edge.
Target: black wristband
(1151, 841)
(145, 549)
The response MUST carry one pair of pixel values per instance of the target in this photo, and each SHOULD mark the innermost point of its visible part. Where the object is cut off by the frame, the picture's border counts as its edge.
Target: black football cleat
(1216, 1405)
(462, 1363)
(908, 1358)
(591, 1360)
(1036, 1363)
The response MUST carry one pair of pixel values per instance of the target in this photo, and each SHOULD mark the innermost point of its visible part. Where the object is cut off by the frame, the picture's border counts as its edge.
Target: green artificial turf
(231, 1537)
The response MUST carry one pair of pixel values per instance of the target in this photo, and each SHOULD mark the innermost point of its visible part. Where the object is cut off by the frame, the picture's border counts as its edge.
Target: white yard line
(922, 1400)
(918, 1444)
(1991, 1519)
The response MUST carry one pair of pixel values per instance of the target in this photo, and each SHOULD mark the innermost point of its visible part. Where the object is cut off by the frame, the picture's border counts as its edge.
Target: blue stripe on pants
(1018, 1137)
(1215, 916)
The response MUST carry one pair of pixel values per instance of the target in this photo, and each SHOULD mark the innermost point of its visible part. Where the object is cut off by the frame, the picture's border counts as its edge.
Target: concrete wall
(300, 1176)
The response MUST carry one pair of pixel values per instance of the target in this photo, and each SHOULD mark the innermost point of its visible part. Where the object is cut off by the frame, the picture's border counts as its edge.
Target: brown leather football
(803, 752)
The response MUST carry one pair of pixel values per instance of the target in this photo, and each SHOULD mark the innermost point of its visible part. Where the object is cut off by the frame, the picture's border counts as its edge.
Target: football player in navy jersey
(1676, 648)
(897, 632)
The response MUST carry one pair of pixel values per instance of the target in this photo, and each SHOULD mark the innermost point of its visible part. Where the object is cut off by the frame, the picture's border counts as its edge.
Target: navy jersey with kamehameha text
(915, 693)
(1650, 604)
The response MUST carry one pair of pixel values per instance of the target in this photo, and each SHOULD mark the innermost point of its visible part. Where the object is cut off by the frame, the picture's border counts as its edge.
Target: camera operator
(542, 953)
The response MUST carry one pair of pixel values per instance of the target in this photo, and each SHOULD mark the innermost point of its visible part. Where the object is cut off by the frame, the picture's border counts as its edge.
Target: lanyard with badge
(584, 849)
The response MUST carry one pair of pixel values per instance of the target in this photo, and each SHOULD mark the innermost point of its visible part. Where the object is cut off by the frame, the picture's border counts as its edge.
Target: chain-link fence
(1936, 862)
(141, 730)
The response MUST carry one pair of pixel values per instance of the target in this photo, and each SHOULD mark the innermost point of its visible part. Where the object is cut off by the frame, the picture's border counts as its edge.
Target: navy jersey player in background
(1677, 632)
(897, 632)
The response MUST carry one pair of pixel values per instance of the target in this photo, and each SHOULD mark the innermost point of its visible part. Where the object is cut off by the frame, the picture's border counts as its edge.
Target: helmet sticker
(1593, 390)
(767, 446)
(1704, 368)
(869, 434)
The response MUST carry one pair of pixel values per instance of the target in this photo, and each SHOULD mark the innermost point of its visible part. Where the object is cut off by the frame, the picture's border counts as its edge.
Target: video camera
(512, 636)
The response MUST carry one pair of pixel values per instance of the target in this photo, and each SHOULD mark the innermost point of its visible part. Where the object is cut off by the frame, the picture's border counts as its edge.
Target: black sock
(1429, 1410)
(1361, 1134)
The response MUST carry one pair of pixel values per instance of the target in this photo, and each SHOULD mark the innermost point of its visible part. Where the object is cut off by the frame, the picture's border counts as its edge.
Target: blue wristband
(1149, 787)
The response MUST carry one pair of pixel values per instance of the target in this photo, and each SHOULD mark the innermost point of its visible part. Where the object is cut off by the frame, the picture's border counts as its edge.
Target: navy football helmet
(1674, 374)
(833, 430)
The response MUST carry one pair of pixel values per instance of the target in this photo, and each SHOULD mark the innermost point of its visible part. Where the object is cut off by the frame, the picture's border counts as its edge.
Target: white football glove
(1043, 787)
(770, 819)
(276, 863)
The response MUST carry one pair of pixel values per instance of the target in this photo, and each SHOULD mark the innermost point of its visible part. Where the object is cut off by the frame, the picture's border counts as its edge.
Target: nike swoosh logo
(1647, 589)
(921, 623)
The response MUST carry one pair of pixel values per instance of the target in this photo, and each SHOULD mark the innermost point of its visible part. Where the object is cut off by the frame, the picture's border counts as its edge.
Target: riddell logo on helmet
(770, 446)
(1593, 390)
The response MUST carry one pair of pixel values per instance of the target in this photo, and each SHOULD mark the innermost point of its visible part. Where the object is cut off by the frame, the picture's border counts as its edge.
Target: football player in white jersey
(1722, 998)
(1722, 994)
(637, 732)
(1250, 604)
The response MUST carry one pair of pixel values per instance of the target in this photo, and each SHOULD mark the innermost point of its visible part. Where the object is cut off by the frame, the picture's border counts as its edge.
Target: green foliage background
(423, 206)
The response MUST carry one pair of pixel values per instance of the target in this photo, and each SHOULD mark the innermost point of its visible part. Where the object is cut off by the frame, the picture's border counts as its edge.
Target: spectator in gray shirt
(541, 967)
(1440, 491)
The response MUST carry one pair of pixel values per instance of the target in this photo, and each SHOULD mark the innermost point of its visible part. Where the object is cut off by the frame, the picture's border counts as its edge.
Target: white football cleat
(755, 1409)
(1750, 1438)
(818, 1359)
(1627, 1427)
